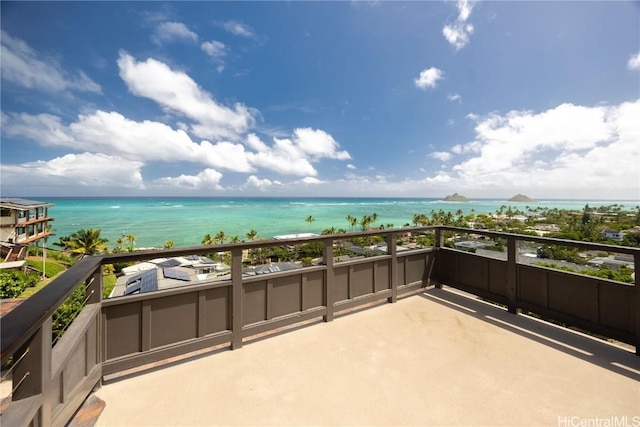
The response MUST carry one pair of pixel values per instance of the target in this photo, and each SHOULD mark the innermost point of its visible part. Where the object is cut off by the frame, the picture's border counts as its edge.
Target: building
(613, 235)
(22, 222)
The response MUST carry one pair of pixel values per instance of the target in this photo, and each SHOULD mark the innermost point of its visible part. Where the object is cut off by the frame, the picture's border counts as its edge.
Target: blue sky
(389, 99)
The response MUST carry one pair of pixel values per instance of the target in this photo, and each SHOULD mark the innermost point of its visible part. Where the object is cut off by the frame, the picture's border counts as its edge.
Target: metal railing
(115, 334)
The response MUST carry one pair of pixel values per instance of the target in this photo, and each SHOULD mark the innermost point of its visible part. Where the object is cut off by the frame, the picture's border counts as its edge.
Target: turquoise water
(187, 220)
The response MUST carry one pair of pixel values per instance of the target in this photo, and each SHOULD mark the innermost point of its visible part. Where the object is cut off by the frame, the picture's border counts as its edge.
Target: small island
(521, 198)
(455, 197)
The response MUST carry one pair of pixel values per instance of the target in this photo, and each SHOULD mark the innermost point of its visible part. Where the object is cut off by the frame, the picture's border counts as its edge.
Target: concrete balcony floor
(437, 357)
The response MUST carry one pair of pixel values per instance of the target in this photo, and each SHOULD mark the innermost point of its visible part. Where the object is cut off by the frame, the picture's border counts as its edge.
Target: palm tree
(119, 242)
(63, 242)
(234, 239)
(220, 237)
(310, 219)
(352, 221)
(252, 235)
(168, 244)
(86, 242)
(331, 230)
(207, 240)
(131, 238)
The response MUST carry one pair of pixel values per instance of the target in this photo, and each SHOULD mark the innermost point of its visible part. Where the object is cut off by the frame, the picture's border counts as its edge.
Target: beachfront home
(613, 235)
(22, 222)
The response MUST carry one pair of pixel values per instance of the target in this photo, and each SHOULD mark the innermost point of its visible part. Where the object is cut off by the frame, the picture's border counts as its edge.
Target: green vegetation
(108, 283)
(85, 242)
(51, 268)
(14, 282)
(622, 275)
(67, 312)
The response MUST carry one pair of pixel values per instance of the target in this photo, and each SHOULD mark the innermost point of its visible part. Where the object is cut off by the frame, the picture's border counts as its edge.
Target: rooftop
(18, 203)
(437, 357)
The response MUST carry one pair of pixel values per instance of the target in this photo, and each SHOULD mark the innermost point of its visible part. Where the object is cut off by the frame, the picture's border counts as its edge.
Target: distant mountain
(521, 198)
(455, 197)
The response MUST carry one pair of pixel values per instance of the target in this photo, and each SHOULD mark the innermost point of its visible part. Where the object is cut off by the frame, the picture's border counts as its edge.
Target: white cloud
(214, 48)
(238, 28)
(72, 170)
(168, 32)
(208, 179)
(176, 92)
(260, 184)
(458, 33)
(441, 155)
(318, 144)
(634, 62)
(453, 97)
(428, 78)
(569, 150)
(110, 132)
(350, 166)
(24, 66)
(295, 155)
(311, 180)
(441, 177)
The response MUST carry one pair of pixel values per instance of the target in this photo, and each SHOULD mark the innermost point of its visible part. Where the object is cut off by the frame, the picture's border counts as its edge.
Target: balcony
(320, 346)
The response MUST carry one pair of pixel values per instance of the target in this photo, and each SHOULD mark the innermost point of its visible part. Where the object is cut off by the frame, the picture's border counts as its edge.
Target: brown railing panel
(415, 267)
(400, 270)
(473, 271)
(497, 277)
(285, 296)
(75, 365)
(616, 306)
(341, 282)
(533, 285)
(312, 290)
(381, 275)
(255, 302)
(361, 279)
(573, 295)
(217, 311)
(174, 318)
(123, 333)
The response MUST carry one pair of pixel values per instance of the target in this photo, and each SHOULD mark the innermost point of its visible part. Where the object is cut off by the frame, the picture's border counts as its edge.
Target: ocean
(186, 220)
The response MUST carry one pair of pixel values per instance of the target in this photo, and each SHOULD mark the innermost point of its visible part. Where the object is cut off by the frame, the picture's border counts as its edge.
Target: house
(613, 234)
(22, 222)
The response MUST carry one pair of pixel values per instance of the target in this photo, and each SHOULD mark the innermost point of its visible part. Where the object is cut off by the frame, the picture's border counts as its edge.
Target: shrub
(14, 282)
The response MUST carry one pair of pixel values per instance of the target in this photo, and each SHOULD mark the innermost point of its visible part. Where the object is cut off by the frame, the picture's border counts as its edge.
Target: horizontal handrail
(21, 323)
(547, 240)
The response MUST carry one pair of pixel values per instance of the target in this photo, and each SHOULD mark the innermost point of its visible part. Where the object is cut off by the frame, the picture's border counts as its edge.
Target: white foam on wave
(115, 207)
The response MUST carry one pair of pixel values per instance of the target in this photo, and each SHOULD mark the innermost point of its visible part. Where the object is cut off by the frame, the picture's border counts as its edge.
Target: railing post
(327, 256)
(439, 238)
(512, 274)
(94, 287)
(636, 266)
(439, 243)
(237, 304)
(31, 376)
(392, 249)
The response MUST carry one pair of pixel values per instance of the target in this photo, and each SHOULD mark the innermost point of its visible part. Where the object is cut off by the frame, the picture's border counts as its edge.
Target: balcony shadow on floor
(619, 359)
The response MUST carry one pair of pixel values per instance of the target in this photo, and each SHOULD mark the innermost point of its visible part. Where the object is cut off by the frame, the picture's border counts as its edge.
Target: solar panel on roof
(169, 263)
(146, 281)
(174, 273)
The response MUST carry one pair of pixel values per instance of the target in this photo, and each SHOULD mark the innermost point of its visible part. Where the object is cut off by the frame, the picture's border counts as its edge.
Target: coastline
(185, 220)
